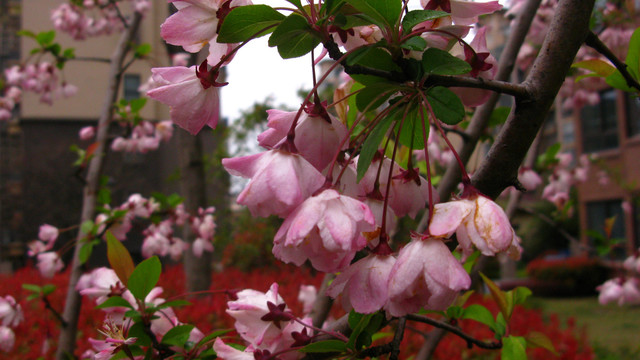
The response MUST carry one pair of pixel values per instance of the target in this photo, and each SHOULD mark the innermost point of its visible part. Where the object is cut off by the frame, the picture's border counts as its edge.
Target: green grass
(613, 331)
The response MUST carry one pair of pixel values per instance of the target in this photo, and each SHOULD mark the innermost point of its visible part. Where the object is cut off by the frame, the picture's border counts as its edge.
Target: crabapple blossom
(226, 352)
(529, 179)
(307, 296)
(478, 222)
(87, 133)
(49, 263)
(99, 284)
(48, 233)
(483, 65)
(364, 284)
(425, 274)
(280, 181)
(191, 93)
(317, 134)
(10, 311)
(326, 229)
(7, 339)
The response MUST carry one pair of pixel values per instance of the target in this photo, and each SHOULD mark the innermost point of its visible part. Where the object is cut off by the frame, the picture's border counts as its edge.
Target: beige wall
(90, 77)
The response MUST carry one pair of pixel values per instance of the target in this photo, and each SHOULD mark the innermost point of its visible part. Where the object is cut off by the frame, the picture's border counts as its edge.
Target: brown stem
(457, 331)
(67, 338)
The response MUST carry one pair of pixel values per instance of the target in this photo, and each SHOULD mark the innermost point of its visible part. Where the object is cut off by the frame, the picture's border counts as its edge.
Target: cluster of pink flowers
(144, 137)
(42, 78)
(12, 96)
(92, 17)
(10, 317)
(563, 178)
(624, 290)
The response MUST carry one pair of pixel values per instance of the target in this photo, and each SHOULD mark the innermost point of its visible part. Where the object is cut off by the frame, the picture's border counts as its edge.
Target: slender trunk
(67, 338)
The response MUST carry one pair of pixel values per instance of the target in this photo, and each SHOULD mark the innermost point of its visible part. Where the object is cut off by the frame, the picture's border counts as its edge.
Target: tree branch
(594, 42)
(457, 331)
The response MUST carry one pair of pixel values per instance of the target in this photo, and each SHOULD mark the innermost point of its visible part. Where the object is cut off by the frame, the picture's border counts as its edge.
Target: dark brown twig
(594, 42)
(457, 331)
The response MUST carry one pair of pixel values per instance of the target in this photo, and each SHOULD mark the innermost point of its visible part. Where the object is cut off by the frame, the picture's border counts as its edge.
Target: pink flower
(483, 65)
(317, 134)
(10, 311)
(248, 312)
(7, 339)
(99, 284)
(191, 93)
(201, 245)
(49, 263)
(87, 133)
(364, 284)
(48, 233)
(477, 221)
(307, 296)
(226, 352)
(280, 181)
(529, 179)
(326, 229)
(427, 275)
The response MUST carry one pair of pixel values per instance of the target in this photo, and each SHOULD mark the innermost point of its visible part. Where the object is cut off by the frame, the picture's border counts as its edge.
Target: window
(632, 104)
(598, 212)
(600, 124)
(131, 84)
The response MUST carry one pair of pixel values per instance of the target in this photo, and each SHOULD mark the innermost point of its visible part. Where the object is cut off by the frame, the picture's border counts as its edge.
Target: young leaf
(144, 277)
(213, 335)
(87, 227)
(119, 258)
(114, 301)
(520, 294)
(177, 335)
(85, 252)
(357, 322)
(327, 346)
(415, 43)
(514, 348)
(411, 134)
(372, 96)
(436, 61)
(48, 289)
(243, 22)
(498, 296)
(46, 37)
(536, 339)
(633, 55)
(416, 17)
(480, 314)
(446, 105)
(373, 57)
(294, 37)
(384, 13)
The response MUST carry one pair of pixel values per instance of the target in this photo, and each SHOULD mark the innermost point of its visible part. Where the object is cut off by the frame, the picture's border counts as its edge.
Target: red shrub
(208, 313)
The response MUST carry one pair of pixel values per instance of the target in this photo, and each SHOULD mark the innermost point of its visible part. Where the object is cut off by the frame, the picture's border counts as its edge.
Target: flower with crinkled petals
(317, 134)
(364, 284)
(99, 284)
(280, 181)
(326, 229)
(425, 275)
(193, 103)
(48, 233)
(7, 339)
(477, 221)
(49, 263)
(248, 311)
(197, 23)
(10, 311)
(483, 65)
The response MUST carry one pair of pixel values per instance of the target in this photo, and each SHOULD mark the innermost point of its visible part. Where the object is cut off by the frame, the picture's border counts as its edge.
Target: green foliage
(294, 37)
(119, 258)
(327, 346)
(144, 277)
(440, 62)
(446, 105)
(249, 21)
(383, 13)
(514, 348)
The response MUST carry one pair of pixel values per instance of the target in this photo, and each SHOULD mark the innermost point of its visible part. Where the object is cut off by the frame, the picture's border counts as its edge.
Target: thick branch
(457, 331)
(67, 338)
(594, 42)
(567, 32)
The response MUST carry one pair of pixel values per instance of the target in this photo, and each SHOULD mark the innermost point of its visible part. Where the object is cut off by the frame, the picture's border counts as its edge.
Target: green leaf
(440, 62)
(177, 335)
(416, 17)
(48, 289)
(114, 301)
(454, 312)
(514, 348)
(69, 53)
(370, 146)
(173, 303)
(54, 49)
(87, 227)
(520, 294)
(144, 277)
(46, 37)
(411, 134)
(33, 288)
(633, 55)
(142, 50)
(243, 22)
(213, 335)
(599, 67)
(137, 330)
(373, 57)
(499, 116)
(384, 13)
(137, 104)
(357, 322)
(471, 261)
(536, 339)
(372, 96)
(480, 314)
(85, 252)
(415, 43)
(294, 37)
(26, 33)
(446, 105)
(616, 80)
(104, 196)
(500, 327)
(327, 346)
(498, 296)
(119, 258)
